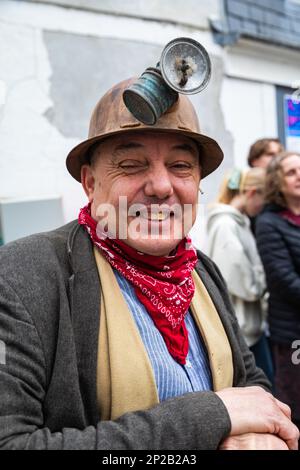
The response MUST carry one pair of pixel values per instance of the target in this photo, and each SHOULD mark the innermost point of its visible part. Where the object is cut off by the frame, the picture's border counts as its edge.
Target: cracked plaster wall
(31, 149)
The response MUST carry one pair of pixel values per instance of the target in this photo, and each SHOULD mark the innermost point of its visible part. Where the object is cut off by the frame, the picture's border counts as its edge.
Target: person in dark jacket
(278, 239)
(115, 333)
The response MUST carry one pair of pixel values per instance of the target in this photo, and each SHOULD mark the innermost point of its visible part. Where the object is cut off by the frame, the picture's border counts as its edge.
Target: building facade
(57, 57)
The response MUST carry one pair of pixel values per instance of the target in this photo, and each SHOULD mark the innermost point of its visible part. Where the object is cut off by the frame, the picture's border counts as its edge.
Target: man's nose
(158, 182)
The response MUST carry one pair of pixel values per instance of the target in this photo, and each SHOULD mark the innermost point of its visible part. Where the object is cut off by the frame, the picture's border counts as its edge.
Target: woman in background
(278, 239)
(232, 246)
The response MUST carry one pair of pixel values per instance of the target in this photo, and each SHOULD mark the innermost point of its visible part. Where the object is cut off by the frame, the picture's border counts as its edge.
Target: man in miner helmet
(117, 333)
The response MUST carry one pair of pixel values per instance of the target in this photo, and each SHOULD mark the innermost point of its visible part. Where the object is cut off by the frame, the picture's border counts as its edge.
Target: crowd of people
(254, 238)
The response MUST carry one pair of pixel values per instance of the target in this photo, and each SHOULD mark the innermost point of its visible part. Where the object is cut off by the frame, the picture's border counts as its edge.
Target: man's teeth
(155, 215)
(158, 216)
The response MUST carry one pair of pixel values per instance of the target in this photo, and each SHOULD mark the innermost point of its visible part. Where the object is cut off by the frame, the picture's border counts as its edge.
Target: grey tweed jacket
(49, 320)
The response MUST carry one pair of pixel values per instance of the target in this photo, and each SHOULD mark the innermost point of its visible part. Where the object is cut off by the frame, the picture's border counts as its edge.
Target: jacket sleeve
(192, 421)
(244, 279)
(279, 267)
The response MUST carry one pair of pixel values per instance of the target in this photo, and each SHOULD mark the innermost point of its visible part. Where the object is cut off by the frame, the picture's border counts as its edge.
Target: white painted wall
(192, 12)
(262, 62)
(249, 110)
(31, 150)
(56, 18)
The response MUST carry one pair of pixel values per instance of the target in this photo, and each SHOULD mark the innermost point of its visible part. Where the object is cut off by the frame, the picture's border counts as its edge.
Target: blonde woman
(278, 238)
(232, 246)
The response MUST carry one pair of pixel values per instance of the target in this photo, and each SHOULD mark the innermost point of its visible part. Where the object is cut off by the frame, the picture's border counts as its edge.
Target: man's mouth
(158, 216)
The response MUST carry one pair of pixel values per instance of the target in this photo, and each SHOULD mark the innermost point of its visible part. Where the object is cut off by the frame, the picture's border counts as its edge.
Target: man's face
(158, 171)
(273, 149)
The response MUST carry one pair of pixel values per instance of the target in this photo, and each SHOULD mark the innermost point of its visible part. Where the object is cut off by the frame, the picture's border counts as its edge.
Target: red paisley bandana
(163, 284)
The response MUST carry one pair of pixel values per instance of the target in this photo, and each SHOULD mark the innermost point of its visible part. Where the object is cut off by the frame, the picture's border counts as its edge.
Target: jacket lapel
(84, 293)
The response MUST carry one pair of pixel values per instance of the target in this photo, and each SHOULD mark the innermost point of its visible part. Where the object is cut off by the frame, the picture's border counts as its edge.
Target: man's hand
(253, 441)
(253, 410)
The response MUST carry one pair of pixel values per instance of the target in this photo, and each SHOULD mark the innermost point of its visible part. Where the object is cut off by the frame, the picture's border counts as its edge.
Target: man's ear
(88, 181)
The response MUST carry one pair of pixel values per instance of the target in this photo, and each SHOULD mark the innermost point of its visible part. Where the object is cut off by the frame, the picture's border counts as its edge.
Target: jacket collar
(273, 208)
(80, 249)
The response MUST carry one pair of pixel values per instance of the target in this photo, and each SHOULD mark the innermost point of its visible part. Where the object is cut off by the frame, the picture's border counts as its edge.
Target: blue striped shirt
(172, 379)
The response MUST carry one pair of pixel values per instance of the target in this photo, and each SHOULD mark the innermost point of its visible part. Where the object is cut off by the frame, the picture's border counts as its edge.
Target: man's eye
(182, 165)
(131, 165)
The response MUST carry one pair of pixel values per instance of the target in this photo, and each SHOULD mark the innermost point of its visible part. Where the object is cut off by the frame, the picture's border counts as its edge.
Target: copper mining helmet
(155, 102)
